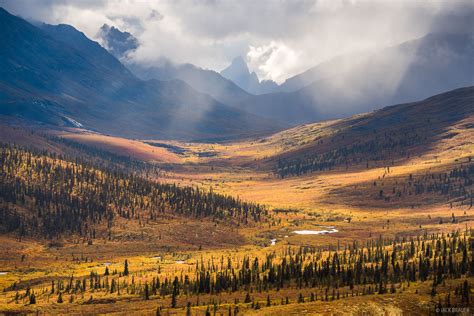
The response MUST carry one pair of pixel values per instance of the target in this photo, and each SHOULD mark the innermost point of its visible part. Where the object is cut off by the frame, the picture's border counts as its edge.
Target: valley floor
(347, 200)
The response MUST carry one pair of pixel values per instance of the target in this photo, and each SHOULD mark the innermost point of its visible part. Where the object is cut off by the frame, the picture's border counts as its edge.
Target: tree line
(46, 194)
(455, 185)
(378, 266)
(362, 147)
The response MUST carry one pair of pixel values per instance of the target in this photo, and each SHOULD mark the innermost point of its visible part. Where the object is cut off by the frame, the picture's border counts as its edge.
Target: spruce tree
(125, 268)
(32, 298)
(188, 309)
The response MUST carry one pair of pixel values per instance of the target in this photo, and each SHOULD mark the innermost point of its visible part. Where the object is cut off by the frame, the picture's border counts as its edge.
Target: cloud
(275, 61)
(279, 38)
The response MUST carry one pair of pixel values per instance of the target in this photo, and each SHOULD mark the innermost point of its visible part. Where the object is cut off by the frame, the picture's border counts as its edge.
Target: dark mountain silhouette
(240, 74)
(203, 80)
(118, 43)
(56, 75)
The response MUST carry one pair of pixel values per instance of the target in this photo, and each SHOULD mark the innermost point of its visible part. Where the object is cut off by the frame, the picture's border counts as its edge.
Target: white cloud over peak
(275, 61)
(279, 38)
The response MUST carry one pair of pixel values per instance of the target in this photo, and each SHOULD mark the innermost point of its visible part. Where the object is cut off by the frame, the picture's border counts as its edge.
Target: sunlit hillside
(236, 157)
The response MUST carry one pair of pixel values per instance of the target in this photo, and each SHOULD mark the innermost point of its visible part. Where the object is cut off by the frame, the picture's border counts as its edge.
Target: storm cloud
(278, 38)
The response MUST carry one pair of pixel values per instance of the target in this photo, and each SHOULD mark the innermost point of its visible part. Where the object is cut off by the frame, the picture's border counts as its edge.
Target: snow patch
(329, 230)
(73, 122)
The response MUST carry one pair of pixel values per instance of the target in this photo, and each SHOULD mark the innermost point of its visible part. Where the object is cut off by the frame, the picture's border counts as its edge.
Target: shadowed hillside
(56, 75)
(133, 182)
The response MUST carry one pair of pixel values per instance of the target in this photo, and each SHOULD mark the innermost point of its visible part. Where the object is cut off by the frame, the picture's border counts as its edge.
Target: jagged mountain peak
(239, 64)
(238, 71)
(117, 42)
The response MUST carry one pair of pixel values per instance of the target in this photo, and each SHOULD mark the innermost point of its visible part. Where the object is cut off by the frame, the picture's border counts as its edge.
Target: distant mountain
(335, 66)
(206, 81)
(118, 43)
(239, 73)
(291, 108)
(363, 82)
(431, 54)
(56, 75)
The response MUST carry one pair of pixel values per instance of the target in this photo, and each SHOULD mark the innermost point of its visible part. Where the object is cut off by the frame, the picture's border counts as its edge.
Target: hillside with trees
(49, 195)
(380, 138)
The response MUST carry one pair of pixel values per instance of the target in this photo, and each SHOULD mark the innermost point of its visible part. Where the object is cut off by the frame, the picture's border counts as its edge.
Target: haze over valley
(238, 158)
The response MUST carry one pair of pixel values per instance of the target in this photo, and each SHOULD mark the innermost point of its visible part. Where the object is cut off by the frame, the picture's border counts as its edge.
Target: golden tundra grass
(318, 199)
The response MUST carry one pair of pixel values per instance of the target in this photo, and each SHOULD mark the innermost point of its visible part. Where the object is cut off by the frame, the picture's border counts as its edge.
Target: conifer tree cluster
(42, 193)
(455, 184)
(364, 147)
(375, 267)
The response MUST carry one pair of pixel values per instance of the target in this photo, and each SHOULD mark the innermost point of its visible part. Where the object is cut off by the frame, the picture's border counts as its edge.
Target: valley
(344, 200)
(236, 158)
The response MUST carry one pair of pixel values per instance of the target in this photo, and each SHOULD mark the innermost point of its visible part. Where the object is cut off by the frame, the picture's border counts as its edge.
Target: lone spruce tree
(125, 268)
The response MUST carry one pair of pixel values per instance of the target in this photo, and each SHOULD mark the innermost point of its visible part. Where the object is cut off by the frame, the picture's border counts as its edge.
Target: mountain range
(56, 75)
(364, 82)
(342, 86)
(120, 43)
(203, 80)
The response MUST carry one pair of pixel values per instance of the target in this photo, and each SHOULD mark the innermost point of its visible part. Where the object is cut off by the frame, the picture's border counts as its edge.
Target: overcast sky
(278, 38)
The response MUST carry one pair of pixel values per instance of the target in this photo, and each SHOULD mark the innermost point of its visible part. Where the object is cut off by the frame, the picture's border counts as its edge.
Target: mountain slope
(431, 51)
(380, 137)
(205, 81)
(288, 107)
(58, 76)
